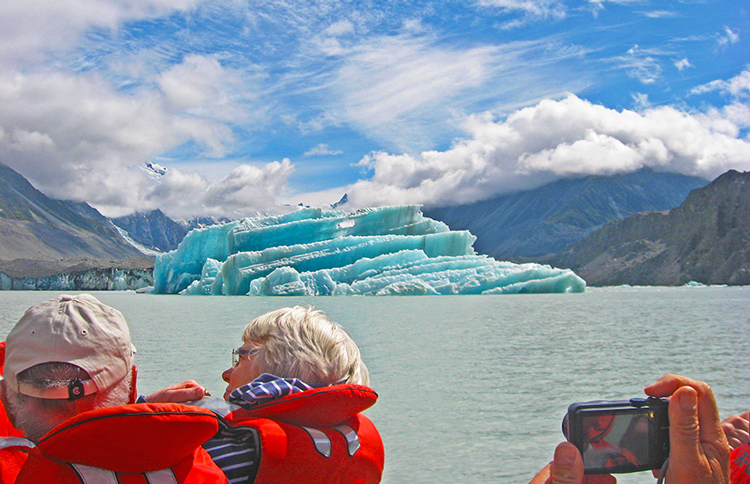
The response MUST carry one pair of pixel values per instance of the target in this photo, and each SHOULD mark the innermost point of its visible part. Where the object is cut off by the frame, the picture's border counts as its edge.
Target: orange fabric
(188, 428)
(288, 453)
(129, 440)
(11, 461)
(6, 428)
(339, 401)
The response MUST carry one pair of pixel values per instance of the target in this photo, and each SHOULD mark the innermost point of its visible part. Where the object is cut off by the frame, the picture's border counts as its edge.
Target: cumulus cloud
(75, 137)
(552, 140)
(246, 190)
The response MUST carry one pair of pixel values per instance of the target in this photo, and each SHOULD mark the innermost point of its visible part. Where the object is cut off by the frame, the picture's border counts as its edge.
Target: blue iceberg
(374, 251)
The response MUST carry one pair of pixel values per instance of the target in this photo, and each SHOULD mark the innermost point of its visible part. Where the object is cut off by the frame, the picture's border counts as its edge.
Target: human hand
(699, 451)
(186, 391)
(736, 429)
(567, 468)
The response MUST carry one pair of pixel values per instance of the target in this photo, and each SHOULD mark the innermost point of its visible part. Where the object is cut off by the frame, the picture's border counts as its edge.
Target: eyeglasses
(236, 353)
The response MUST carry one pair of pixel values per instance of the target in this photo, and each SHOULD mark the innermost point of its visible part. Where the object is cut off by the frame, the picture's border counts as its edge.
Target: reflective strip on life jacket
(351, 438)
(321, 441)
(6, 442)
(94, 475)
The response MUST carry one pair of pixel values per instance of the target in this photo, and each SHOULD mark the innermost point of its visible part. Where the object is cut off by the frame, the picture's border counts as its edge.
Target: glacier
(374, 251)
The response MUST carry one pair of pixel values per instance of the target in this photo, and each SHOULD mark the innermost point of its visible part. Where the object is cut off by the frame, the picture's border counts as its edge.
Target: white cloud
(641, 101)
(551, 140)
(728, 37)
(737, 89)
(246, 190)
(401, 90)
(682, 64)
(30, 31)
(534, 8)
(738, 86)
(322, 149)
(659, 14)
(641, 64)
(75, 137)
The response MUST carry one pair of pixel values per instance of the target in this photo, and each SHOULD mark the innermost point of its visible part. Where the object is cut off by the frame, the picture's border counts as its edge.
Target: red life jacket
(316, 436)
(145, 443)
(739, 465)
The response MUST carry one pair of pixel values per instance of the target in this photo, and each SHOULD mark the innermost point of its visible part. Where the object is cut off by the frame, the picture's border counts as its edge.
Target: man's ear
(4, 406)
(133, 391)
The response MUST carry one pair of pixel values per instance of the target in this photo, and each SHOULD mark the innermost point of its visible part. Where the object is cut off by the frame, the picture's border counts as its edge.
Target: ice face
(376, 251)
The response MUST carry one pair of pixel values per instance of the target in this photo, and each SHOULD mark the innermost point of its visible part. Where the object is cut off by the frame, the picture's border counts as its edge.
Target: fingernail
(688, 400)
(205, 392)
(565, 455)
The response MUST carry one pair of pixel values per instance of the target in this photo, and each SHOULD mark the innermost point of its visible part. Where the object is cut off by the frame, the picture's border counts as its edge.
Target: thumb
(567, 468)
(684, 427)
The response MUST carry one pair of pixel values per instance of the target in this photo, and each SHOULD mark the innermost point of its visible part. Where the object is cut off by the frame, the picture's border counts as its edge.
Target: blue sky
(254, 105)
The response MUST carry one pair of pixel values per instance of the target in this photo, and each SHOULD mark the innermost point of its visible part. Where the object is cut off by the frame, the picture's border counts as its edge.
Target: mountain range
(526, 225)
(41, 237)
(621, 229)
(706, 239)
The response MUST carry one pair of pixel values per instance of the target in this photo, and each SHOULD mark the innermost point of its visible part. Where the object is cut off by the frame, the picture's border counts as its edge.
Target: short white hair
(301, 342)
(37, 416)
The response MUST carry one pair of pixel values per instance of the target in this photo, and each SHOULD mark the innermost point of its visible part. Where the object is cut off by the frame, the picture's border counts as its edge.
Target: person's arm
(736, 429)
(186, 391)
(699, 451)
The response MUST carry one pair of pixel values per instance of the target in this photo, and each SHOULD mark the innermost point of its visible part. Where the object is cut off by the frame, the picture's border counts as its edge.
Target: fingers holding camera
(699, 452)
(736, 429)
(567, 468)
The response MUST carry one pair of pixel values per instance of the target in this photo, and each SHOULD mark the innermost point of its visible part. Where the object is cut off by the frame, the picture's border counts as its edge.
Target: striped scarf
(265, 388)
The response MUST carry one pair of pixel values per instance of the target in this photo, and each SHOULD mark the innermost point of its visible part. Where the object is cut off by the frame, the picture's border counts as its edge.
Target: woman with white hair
(295, 343)
(299, 386)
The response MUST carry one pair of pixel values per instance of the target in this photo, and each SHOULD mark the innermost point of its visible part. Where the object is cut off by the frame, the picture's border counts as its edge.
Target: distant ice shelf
(376, 251)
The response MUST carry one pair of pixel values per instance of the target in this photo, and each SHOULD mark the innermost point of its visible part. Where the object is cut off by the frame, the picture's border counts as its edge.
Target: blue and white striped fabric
(265, 388)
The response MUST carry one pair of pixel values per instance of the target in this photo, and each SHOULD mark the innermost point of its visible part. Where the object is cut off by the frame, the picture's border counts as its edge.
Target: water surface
(472, 388)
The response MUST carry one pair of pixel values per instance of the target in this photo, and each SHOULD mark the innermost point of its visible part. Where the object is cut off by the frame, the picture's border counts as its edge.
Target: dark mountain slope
(706, 239)
(152, 229)
(543, 221)
(40, 236)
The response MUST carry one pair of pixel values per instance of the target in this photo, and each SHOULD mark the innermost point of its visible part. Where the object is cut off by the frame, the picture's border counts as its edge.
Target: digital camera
(619, 436)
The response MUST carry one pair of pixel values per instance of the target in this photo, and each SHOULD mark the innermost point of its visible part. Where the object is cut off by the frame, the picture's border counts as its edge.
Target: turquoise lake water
(472, 388)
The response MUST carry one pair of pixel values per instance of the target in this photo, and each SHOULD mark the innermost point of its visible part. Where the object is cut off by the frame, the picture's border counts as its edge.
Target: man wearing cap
(70, 386)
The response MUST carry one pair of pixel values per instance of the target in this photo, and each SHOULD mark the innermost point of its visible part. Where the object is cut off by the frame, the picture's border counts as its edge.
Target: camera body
(619, 436)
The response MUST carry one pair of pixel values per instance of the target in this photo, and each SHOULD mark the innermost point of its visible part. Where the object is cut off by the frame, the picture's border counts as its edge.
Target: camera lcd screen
(617, 441)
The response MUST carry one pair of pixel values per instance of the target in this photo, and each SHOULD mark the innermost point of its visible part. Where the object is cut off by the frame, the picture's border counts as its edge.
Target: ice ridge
(375, 251)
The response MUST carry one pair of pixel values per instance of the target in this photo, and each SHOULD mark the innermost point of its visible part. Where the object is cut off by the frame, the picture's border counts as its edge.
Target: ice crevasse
(375, 251)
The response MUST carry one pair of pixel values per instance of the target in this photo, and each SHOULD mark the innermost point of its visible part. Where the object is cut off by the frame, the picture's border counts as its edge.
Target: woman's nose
(227, 374)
